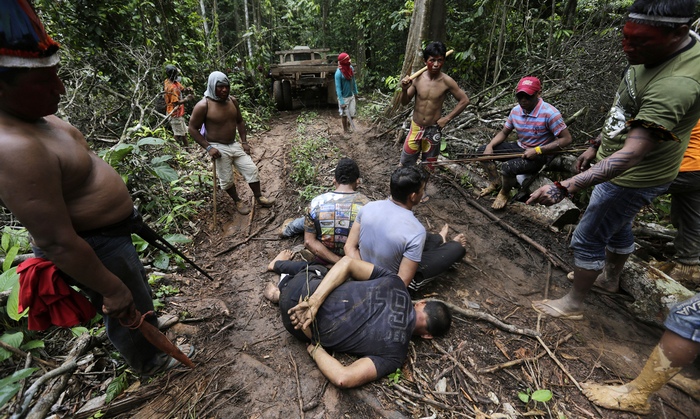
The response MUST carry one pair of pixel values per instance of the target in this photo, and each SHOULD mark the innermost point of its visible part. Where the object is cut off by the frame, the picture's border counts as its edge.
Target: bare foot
(461, 239)
(625, 397)
(500, 202)
(283, 255)
(561, 309)
(491, 188)
(443, 232)
(272, 293)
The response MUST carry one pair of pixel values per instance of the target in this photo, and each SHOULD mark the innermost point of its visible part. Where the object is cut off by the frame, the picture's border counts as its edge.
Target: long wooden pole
(485, 157)
(215, 186)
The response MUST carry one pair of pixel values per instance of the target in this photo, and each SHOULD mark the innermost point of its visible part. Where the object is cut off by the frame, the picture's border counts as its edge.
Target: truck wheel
(287, 94)
(277, 94)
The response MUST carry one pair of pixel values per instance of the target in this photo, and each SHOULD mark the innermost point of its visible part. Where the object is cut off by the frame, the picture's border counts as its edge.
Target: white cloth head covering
(215, 78)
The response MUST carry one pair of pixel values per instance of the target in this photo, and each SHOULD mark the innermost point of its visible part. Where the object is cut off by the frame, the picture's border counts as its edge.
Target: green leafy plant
(117, 387)
(394, 377)
(542, 396)
(9, 386)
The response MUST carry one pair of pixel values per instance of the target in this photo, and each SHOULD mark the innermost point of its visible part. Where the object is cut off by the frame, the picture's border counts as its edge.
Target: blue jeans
(607, 223)
(684, 319)
(685, 216)
(294, 228)
(119, 256)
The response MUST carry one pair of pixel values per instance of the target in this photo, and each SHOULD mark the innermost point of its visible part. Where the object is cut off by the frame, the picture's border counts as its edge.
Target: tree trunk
(501, 43)
(413, 57)
(247, 29)
(204, 19)
(437, 29)
(569, 16)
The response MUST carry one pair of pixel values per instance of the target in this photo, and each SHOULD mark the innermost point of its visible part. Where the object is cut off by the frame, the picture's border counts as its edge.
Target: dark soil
(248, 366)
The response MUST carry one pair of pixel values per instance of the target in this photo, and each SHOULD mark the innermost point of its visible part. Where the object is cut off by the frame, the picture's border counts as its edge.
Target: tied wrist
(538, 150)
(594, 143)
(563, 189)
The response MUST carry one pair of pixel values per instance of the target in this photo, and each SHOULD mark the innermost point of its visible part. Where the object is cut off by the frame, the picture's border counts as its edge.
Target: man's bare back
(57, 158)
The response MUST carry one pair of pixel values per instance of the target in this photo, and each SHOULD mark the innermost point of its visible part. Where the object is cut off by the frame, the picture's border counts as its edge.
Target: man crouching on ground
(371, 317)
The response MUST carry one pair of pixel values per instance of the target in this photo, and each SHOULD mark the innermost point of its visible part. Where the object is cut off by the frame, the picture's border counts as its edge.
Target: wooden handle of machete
(422, 70)
(215, 186)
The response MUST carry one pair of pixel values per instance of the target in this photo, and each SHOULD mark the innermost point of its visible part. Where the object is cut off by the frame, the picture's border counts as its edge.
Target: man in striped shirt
(540, 129)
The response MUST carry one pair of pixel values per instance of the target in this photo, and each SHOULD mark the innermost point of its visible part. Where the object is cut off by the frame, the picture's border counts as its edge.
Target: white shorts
(350, 109)
(178, 125)
(233, 155)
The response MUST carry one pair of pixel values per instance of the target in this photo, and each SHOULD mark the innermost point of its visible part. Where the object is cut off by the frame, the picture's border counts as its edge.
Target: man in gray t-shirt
(387, 234)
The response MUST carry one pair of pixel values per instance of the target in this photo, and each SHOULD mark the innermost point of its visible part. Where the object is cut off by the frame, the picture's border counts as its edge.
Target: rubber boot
(241, 206)
(609, 279)
(634, 396)
(494, 178)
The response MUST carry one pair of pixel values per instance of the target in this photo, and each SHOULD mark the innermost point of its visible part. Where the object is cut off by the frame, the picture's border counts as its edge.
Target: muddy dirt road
(248, 366)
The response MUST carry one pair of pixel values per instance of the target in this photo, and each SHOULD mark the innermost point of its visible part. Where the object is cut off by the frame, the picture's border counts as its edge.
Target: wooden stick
(296, 375)
(520, 360)
(23, 354)
(489, 318)
(422, 70)
(555, 259)
(215, 186)
(456, 361)
(265, 223)
(486, 157)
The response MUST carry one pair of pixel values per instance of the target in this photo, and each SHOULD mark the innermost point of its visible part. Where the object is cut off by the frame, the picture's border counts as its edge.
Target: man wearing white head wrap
(213, 125)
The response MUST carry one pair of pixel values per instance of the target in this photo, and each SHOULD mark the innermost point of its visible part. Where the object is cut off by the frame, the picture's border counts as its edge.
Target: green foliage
(304, 168)
(394, 377)
(13, 339)
(117, 387)
(542, 396)
(9, 386)
(658, 212)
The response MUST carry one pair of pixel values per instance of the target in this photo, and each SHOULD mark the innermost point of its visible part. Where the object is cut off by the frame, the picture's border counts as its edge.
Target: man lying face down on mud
(371, 316)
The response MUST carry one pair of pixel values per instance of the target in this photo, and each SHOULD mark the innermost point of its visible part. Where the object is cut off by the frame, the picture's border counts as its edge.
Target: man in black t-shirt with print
(371, 316)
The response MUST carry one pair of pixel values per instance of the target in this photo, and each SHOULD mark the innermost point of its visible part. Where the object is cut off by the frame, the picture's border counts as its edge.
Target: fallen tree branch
(47, 400)
(565, 371)
(514, 362)
(555, 259)
(23, 354)
(296, 375)
(265, 223)
(422, 398)
(489, 318)
(456, 361)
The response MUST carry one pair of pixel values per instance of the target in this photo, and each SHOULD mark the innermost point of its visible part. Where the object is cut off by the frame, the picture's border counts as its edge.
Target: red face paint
(646, 44)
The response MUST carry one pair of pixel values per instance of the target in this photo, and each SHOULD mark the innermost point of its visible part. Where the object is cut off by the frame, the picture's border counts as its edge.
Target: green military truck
(305, 74)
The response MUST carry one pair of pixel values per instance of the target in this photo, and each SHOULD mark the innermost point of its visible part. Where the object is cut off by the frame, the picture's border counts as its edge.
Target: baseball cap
(529, 85)
(23, 39)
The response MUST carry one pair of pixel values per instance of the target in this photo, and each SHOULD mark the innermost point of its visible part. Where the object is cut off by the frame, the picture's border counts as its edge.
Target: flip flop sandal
(576, 315)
